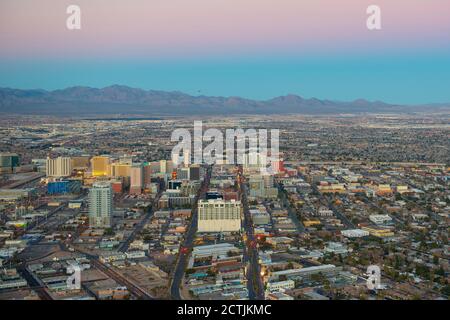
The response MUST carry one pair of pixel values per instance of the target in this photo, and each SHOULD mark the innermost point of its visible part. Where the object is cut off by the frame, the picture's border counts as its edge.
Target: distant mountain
(116, 99)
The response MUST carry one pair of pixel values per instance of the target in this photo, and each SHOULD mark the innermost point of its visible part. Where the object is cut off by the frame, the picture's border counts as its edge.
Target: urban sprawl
(346, 193)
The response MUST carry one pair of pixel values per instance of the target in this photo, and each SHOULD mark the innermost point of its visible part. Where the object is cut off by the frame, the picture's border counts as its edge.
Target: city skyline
(242, 151)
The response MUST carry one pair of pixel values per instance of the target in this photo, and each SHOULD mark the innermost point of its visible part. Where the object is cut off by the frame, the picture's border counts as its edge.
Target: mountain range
(118, 99)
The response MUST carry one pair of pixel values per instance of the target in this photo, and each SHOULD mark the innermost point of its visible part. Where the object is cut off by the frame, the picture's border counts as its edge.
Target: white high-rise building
(59, 167)
(217, 215)
(100, 205)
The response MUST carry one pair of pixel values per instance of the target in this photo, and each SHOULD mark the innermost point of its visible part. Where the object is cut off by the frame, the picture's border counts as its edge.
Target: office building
(8, 161)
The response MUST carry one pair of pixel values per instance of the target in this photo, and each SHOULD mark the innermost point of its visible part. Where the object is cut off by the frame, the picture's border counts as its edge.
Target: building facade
(100, 205)
(59, 167)
(217, 215)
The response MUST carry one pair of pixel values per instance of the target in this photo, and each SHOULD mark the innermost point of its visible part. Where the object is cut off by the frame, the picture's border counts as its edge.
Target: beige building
(137, 179)
(219, 215)
(120, 170)
(58, 167)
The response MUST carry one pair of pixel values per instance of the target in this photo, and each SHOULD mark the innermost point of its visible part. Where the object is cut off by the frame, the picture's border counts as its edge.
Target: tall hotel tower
(59, 167)
(100, 205)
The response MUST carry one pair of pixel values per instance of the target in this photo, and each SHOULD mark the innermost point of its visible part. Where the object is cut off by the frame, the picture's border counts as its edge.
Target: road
(39, 220)
(292, 213)
(123, 247)
(135, 290)
(255, 284)
(348, 224)
(183, 257)
(33, 283)
(375, 206)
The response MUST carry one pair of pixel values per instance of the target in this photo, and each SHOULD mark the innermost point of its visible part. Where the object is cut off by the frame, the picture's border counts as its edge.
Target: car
(184, 250)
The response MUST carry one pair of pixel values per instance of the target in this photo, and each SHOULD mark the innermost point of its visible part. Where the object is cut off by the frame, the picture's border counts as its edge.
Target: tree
(446, 290)
(190, 271)
(210, 273)
(109, 232)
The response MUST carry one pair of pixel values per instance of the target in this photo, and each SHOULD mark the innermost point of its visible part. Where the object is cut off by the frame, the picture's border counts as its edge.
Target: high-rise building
(137, 179)
(183, 173)
(194, 172)
(278, 165)
(256, 184)
(59, 167)
(268, 180)
(100, 205)
(147, 174)
(101, 166)
(165, 166)
(8, 161)
(254, 160)
(155, 166)
(218, 215)
(262, 186)
(186, 158)
(120, 170)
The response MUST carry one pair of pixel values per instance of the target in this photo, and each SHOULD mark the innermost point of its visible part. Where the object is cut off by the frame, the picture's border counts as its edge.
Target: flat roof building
(217, 215)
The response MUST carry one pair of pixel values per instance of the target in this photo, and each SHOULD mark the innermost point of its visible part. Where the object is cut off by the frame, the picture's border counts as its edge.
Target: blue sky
(254, 48)
(395, 78)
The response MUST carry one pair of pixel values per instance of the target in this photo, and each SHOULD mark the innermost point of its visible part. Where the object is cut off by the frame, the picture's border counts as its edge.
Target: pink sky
(180, 28)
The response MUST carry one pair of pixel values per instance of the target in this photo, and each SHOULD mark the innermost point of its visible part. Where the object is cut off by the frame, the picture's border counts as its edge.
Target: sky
(251, 48)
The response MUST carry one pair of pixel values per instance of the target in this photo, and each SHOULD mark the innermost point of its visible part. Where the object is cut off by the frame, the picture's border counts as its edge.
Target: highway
(183, 257)
(255, 284)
